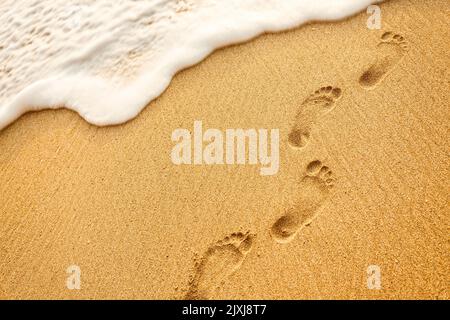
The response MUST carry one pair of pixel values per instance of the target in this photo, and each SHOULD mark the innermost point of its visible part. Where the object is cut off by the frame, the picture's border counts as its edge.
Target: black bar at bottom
(248, 309)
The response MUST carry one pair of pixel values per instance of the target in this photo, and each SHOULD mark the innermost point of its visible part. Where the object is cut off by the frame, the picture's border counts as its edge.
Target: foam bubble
(107, 59)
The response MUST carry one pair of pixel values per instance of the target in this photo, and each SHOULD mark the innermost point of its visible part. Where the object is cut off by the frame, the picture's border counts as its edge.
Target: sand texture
(364, 176)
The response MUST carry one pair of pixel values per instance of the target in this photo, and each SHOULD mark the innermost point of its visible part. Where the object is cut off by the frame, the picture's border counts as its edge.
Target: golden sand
(110, 201)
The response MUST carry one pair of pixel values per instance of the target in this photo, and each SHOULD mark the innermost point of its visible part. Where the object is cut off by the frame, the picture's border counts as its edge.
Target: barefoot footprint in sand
(318, 104)
(219, 262)
(314, 189)
(391, 50)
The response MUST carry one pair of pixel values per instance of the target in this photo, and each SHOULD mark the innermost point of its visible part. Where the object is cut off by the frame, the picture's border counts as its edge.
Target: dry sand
(110, 200)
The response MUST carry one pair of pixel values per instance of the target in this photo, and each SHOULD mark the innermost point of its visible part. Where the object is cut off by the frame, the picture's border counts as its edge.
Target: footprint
(319, 103)
(314, 190)
(391, 50)
(219, 262)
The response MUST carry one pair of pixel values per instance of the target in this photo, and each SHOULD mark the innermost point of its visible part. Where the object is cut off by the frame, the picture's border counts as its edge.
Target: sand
(110, 200)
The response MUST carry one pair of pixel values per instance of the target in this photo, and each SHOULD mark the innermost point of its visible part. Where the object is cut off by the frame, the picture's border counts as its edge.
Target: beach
(361, 183)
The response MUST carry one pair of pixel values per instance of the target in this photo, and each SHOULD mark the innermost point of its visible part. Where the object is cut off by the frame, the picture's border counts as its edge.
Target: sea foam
(108, 59)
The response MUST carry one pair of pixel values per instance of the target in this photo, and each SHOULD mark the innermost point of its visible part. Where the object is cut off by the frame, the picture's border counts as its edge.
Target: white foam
(108, 59)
